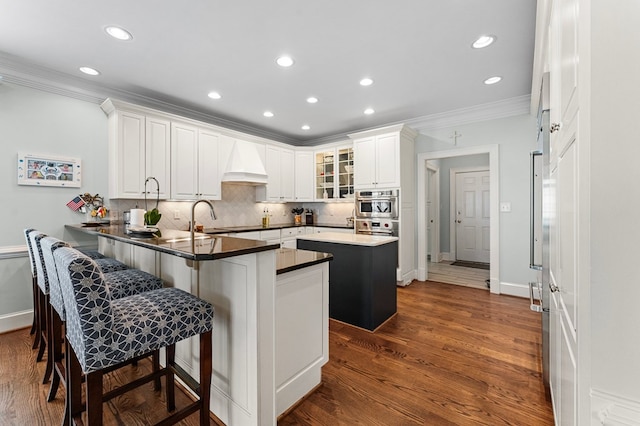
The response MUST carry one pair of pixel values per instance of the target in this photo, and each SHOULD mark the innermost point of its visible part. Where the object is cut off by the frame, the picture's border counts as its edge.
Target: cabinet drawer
(292, 232)
(271, 234)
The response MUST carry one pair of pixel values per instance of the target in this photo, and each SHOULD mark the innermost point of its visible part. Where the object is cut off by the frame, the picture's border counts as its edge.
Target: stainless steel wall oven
(377, 204)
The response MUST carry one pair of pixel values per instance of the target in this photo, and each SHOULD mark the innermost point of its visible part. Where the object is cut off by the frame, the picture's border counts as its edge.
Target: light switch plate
(505, 207)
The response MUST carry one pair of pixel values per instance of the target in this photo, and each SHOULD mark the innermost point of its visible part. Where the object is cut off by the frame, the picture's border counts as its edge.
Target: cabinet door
(364, 176)
(273, 173)
(158, 156)
(287, 175)
(184, 161)
(304, 167)
(130, 156)
(208, 175)
(387, 161)
(324, 174)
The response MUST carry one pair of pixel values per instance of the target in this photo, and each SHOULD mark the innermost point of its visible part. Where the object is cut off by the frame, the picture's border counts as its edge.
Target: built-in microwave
(377, 203)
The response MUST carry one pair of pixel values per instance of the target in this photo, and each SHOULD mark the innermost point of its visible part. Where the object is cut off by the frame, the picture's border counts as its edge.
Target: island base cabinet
(242, 292)
(302, 333)
(362, 281)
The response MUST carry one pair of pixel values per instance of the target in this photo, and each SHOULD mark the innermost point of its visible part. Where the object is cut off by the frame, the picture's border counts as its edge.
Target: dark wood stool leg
(34, 324)
(48, 309)
(155, 359)
(74, 384)
(42, 319)
(171, 394)
(94, 397)
(55, 340)
(205, 377)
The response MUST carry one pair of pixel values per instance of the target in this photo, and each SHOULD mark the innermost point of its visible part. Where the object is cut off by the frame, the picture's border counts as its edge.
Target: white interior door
(472, 216)
(433, 217)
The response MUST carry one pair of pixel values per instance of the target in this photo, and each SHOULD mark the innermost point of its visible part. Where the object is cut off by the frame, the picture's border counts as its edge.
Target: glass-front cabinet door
(334, 174)
(345, 172)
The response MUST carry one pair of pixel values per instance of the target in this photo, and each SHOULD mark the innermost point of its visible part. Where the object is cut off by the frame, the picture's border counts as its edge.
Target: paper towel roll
(137, 217)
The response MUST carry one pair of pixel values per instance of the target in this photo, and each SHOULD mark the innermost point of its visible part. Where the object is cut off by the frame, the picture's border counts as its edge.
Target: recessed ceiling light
(284, 61)
(493, 80)
(89, 71)
(118, 33)
(268, 114)
(366, 82)
(214, 95)
(483, 41)
(369, 111)
(312, 99)
(306, 127)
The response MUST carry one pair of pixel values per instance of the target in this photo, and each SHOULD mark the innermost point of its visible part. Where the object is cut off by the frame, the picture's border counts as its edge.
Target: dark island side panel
(362, 281)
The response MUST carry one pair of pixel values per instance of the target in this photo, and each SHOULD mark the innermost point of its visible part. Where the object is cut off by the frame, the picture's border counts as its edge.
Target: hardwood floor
(453, 355)
(444, 272)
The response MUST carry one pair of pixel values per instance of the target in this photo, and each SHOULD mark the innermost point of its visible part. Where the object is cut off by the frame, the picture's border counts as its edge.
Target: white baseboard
(446, 256)
(613, 410)
(511, 289)
(16, 320)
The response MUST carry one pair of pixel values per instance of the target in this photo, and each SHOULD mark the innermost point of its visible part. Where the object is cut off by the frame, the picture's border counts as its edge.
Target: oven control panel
(377, 227)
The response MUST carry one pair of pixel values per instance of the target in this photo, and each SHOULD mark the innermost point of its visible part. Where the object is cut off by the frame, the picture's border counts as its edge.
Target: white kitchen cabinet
(288, 236)
(139, 147)
(194, 162)
(303, 181)
(378, 161)
(279, 164)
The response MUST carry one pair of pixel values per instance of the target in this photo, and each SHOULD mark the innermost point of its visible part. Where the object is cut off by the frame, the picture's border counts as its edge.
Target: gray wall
(516, 137)
(446, 164)
(43, 123)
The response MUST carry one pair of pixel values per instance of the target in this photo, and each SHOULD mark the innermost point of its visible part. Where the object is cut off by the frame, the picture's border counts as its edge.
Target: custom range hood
(244, 166)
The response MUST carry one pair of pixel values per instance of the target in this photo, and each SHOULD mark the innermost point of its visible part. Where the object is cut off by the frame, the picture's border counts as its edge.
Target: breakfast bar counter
(270, 333)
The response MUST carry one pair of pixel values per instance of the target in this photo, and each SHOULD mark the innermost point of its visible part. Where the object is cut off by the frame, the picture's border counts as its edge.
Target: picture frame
(49, 170)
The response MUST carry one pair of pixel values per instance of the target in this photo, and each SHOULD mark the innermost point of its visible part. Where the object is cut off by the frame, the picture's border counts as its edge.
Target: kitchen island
(362, 278)
(270, 335)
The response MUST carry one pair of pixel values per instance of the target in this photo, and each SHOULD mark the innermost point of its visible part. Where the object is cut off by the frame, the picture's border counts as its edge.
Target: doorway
(494, 219)
(433, 212)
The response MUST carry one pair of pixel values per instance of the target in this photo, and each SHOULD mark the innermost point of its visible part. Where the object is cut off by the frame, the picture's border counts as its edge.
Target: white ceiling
(418, 52)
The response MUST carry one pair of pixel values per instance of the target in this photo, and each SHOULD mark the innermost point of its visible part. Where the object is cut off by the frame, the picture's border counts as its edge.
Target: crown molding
(37, 77)
(15, 71)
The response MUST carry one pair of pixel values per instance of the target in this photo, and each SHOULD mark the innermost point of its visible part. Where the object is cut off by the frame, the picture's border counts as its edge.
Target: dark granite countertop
(249, 228)
(208, 247)
(178, 243)
(288, 259)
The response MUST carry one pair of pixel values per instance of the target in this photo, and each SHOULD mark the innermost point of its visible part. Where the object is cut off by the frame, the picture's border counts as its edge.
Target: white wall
(42, 123)
(516, 137)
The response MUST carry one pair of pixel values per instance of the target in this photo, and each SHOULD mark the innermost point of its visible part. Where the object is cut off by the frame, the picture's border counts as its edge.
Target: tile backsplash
(238, 207)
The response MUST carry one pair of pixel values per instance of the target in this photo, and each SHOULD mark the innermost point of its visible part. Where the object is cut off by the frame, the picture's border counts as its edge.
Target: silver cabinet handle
(554, 127)
(532, 212)
(534, 306)
(554, 288)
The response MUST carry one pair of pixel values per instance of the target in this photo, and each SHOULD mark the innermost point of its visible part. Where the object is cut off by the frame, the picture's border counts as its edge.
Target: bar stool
(121, 283)
(103, 332)
(36, 327)
(106, 265)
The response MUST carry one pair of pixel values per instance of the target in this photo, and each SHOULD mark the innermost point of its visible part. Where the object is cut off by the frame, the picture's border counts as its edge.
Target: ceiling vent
(244, 166)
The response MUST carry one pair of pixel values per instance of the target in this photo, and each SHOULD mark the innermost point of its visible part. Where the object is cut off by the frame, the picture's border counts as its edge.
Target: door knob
(459, 221)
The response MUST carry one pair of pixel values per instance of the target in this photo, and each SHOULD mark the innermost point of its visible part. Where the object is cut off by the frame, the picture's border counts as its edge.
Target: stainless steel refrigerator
(541, 211)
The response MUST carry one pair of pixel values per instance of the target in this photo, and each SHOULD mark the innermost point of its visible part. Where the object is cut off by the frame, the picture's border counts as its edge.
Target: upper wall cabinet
(279, 164)
(303, 182)
(194, 163)
(139, 147)
(381, 155)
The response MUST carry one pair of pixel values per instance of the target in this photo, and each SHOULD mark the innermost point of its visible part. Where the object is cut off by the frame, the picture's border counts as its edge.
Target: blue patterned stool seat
(103, 332)
(94, 254)
(106, 265)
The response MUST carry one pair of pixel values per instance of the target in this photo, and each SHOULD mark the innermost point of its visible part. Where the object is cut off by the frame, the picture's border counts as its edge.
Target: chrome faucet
(193, 220)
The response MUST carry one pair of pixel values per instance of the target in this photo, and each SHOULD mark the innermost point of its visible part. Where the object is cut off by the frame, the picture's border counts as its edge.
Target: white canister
(137, 217)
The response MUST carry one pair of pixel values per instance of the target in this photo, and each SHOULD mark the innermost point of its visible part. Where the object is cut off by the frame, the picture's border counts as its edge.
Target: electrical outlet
(505, 207)
(176, 214)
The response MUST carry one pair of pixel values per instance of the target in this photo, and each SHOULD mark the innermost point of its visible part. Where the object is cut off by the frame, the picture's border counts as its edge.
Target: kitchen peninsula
(270, 336)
